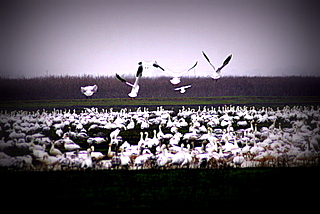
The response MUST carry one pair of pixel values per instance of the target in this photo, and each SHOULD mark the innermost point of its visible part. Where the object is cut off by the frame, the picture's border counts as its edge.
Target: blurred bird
(89, 90)
(182, 88)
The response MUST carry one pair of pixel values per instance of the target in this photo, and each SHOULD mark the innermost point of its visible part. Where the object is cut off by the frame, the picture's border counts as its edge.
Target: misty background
(102, 37)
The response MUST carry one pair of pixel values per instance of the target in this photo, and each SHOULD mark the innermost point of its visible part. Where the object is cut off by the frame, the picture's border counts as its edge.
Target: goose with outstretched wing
(182, 89)
(135, 87)
(142, 66)
(176, 76)
(216, 72)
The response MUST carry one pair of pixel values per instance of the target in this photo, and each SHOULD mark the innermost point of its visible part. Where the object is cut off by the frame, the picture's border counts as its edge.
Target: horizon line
(147, 77)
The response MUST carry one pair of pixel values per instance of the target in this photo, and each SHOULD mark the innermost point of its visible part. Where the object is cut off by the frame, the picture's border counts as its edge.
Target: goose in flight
(175, 75)
(182, 88)
(216, 73)
(135, 86)
(89, 90)
(143, 65)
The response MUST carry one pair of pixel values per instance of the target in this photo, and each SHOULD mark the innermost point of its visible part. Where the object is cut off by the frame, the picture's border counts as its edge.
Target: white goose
(176, 75)
(216, 73)
(53, 151)
(135, 87)
(144, 65)
(89, 90)
(182, 88)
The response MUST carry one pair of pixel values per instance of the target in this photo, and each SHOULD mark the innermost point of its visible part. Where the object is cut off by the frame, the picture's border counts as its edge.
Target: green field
(152, 103)
(265, 188)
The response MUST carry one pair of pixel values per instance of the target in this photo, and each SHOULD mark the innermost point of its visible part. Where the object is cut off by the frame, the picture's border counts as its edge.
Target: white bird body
(89, 90)
(124, 160)
(178, 158)
(50, 161)
(70, 146)
(96, 140)
(141, 160)
(162, 158)
(131, 124)
(238, 160)
(55, 152)
(87, 162)
(114, 134)
(135, 88)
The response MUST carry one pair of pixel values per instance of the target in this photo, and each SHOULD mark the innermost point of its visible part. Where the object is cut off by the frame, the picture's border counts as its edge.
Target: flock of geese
(207, 137)
(88, 91)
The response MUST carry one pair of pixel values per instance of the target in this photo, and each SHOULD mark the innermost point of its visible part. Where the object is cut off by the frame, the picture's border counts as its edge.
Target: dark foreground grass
(152, 103)
(262, 188)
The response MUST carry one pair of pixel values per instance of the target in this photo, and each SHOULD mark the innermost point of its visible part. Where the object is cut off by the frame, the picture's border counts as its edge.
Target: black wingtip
(193, 66)
(120, 78)
(205, 56)
(227, 60)
(157, 66)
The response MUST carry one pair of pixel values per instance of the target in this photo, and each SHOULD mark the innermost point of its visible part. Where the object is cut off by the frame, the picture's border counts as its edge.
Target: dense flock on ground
(204, 137)
(68, 87)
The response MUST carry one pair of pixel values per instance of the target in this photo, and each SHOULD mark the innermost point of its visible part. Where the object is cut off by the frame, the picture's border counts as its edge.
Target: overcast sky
(96, 37)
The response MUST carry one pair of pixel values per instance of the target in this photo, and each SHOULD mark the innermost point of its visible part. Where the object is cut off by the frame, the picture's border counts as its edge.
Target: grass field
(244, 189)
(152, 103)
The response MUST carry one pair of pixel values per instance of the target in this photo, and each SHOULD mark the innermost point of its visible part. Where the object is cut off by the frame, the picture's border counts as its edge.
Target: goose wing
(182, 87)
(158, 66)
(225, 62)
(179, 74)
(207, 58)
(120, 78)
(193, 66)
(95, 88)
(123, 80)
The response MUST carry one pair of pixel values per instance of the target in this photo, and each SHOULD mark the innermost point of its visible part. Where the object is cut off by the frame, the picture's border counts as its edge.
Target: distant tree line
(68, 87)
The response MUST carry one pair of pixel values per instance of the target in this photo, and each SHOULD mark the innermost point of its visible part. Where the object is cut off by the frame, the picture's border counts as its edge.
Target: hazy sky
(272, 37)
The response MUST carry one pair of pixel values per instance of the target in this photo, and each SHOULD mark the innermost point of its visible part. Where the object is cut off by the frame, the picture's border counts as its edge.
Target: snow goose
(143, 65)
(238, 160)
(125, 160)
(87, 162)
(162, 158)
(216, 73)
(182, 88)
(70, 145)
(89, 90)
(53, 151)
(176, 76)
(307, 155)
(97, 156)
(48, 161)
(135, 87)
